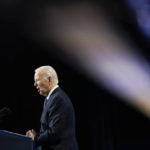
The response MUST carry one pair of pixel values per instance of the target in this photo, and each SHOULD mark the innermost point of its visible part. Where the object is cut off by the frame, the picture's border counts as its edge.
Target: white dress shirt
(50, 92)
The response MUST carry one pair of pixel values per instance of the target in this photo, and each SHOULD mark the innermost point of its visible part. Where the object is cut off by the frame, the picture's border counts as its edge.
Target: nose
(35, 84)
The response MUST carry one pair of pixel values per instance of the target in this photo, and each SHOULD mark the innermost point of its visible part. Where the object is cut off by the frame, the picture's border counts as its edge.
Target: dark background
(104, 122)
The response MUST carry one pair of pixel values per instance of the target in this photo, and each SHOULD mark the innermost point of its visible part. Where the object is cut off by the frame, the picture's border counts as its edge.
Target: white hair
(48, 71)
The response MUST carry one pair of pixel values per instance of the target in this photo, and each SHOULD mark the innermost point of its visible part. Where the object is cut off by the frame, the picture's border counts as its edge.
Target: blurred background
(100, 50)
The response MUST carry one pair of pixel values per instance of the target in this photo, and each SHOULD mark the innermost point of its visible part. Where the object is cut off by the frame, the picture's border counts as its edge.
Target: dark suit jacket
(57, 123)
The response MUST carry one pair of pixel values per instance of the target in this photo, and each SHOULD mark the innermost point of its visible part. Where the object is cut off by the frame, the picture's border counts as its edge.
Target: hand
(31, 134)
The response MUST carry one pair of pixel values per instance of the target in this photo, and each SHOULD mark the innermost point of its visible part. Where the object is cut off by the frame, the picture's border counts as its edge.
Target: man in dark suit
(58, 120)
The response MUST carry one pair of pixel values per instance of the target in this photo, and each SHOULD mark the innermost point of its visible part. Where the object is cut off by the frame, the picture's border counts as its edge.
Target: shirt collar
(51, 91)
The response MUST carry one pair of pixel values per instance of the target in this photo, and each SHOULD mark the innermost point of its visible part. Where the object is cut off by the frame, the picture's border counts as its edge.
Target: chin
(43, 94)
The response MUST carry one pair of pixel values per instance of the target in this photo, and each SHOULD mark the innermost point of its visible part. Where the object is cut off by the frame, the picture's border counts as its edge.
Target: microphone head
(4, 112)
(5, 118)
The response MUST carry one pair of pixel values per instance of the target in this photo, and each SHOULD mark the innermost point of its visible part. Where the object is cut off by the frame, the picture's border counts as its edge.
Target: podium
(15, 141)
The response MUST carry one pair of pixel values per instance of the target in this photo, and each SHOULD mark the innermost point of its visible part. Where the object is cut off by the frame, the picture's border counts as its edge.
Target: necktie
(45, 102)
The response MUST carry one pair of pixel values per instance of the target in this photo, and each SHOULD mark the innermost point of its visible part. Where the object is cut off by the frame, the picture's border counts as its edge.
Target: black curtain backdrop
(103, 121)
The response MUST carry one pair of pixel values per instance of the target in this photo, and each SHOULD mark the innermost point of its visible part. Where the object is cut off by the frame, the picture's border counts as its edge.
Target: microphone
(4, 113)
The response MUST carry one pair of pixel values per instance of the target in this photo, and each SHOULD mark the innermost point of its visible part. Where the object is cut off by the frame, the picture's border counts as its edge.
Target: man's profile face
(42, 84)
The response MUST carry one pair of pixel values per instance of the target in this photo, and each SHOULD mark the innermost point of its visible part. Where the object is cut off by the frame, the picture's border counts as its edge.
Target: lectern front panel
(14, 141)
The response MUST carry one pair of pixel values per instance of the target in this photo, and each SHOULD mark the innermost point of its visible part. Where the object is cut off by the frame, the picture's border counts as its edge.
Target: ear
(50, 79)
